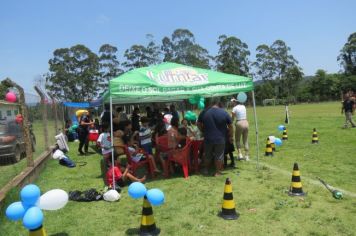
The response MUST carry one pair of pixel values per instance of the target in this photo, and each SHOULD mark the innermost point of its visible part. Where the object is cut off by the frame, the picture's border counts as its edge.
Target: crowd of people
(159, 132)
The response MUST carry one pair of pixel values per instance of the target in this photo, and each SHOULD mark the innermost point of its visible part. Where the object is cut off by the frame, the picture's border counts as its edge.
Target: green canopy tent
(174, 82)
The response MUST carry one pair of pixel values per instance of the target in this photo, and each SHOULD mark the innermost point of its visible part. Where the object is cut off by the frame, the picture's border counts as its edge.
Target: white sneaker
(240, 157)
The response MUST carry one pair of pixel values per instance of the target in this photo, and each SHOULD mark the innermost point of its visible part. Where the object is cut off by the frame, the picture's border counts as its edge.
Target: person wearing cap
(241, 128)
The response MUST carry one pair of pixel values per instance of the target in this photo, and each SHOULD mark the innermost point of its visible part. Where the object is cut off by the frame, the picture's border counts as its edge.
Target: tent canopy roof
(173, 82)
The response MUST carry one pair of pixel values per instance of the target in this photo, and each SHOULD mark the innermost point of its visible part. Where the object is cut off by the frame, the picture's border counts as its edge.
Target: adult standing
(83, 131)
(348, 107)
(173, 111)
(135, 119)
(241, 128)
(215, 123)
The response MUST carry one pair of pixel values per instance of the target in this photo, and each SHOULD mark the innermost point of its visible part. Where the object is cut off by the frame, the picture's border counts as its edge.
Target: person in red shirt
(120, 177)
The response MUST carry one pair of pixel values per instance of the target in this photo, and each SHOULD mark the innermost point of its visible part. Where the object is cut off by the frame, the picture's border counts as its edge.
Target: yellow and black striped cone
(269, 151)
(228, 211)
(148, 225)
(38, 232)
(315, 138)
(296, 186)
(284, 135)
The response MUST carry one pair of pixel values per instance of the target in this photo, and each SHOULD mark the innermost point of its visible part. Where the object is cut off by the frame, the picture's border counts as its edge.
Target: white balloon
(53, 200)
(111, 196)
(272, 139)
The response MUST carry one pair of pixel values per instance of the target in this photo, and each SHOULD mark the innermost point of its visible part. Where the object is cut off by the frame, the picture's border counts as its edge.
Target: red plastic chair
(135, 165)
(162, 146)
(182, 157)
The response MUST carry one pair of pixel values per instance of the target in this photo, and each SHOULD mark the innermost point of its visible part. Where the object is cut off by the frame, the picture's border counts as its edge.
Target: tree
(73, 74)
(140, 56)
(289, 83)
(275, 63)
(233, 56)
(347, 57)
(181, 48)
(109, 64)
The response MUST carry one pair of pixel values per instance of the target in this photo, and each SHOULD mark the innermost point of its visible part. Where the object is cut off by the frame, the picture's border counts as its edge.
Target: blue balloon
(242, 97)
(137, 190)
(30, 194)
(281, 127)
(15, 211)
(33, 218)
(155, 196)
(278, 142)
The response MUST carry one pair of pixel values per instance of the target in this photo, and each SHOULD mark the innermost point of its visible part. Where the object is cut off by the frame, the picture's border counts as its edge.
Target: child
(229, 149)
(104, 141)
(193, 131)
(119, 145)
(145, 135)
(119, 176)
(138, 155)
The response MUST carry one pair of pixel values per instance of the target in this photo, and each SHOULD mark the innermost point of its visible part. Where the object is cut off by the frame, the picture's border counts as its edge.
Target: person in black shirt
(348, 107)
(135, 119)
(83, 131)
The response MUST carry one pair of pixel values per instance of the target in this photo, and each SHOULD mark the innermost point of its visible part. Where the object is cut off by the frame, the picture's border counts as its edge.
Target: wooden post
(23, 110)
(44, 116)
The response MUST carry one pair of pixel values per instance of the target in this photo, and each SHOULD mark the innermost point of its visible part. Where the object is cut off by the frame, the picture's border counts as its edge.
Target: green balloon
(192, 100)
(201, 105)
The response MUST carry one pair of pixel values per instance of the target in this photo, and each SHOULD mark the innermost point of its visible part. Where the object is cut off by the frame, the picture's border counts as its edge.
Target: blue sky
(30, 31)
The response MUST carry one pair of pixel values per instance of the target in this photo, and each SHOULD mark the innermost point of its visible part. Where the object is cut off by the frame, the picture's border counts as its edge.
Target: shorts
(163, 155)
(147, 147)
(214, 151)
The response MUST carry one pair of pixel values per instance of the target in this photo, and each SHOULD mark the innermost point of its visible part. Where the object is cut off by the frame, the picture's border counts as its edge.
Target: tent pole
(256, 127)
(112, 145)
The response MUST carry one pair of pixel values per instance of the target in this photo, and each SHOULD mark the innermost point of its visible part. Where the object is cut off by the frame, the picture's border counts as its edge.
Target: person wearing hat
(241, 128)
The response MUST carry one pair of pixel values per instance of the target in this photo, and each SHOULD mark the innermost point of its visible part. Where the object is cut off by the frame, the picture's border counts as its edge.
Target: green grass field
(192, 205)
(7, 172)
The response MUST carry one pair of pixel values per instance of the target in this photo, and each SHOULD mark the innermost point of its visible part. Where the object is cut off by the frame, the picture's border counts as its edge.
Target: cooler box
(93, 135)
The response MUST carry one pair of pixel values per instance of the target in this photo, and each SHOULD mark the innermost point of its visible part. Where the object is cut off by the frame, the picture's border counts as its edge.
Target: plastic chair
(135, 165)
(182, 157)
(162, 146)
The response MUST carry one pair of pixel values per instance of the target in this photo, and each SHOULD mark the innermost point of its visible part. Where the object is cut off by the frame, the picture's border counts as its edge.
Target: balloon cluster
(275, 140)
(200, 101)
(190, 116)
(138, 190)
(29, 209)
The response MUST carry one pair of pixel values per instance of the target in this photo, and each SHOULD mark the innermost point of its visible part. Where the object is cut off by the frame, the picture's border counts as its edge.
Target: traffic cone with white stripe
(296, 186)
(228, 211)
(148, 225)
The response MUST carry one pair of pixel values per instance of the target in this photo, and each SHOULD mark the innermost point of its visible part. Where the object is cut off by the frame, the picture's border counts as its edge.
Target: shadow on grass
(133, 231)
(60, 234)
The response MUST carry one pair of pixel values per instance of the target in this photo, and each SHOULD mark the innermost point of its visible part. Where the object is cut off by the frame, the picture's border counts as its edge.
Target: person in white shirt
(241, 128)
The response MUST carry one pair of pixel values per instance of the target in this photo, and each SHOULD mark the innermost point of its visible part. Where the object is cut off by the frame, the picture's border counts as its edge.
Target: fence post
(44, 116)
(55, 115)
(25, 124)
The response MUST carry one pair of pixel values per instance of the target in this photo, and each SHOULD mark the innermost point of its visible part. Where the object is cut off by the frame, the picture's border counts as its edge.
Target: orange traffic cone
(38, 232)
(269, 151)
(296, 186)
(148, 225)
(228, 211)
(315, 138)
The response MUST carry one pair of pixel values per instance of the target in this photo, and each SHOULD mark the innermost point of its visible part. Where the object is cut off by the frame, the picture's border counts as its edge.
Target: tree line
(79, 74)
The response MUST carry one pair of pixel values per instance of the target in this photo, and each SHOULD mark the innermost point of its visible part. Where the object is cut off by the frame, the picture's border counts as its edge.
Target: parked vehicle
(12, 142)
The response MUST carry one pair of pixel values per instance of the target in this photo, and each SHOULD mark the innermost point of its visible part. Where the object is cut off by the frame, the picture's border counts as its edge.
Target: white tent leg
(256, 127)
(112, 145)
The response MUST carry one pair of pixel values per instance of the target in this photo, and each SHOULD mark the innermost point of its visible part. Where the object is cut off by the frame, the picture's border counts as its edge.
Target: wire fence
(44, 118)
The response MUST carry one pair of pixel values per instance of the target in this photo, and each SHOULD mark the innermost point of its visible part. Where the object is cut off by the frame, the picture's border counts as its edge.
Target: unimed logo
(179, 76)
